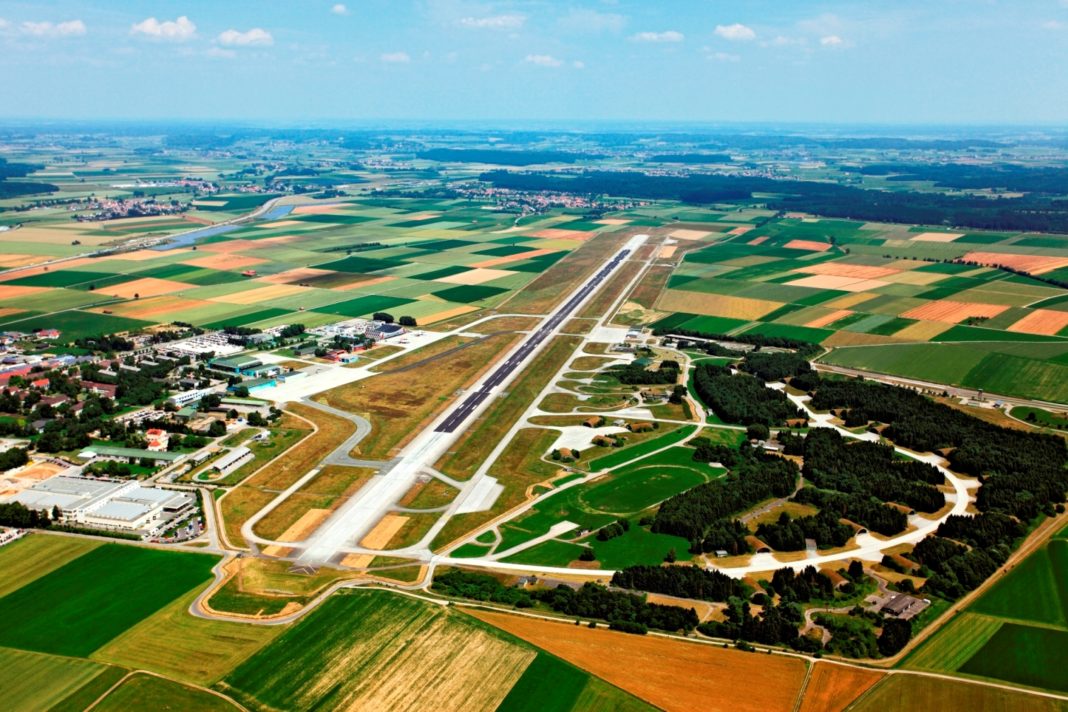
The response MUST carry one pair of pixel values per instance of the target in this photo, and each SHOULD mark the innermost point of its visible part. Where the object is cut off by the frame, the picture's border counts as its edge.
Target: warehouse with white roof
(107, 504)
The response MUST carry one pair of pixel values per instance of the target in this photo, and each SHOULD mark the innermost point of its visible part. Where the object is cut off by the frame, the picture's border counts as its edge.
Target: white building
(233, 460)
(107, 504)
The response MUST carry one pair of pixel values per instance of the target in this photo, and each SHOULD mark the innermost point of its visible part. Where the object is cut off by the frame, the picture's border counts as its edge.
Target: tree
(757, 431)
(254, 418)
(408, 321)
(895, 636)
(383, 317)
(217, 429)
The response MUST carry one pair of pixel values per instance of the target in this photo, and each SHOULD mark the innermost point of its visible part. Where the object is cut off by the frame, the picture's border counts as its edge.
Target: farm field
(315, 264)
(147, 692)
(831, 688)
(117, 585)
(197, 650)
(884, 300)
(675, 675)
(36, 555)
(912, 692)
(1015, 632)
(344, 654)
(35, 681)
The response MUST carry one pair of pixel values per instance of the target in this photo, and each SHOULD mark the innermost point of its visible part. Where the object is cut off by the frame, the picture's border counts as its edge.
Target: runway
(357, 516)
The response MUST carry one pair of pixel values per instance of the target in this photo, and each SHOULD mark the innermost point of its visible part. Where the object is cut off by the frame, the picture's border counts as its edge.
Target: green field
(96, 597)
(345, 654)
(34, 681)
(954, 644)
(1023, 654)
(626, 454)
(198, 650)
(147, 693)
(900, 693)
(36, 555)
(1035, 590)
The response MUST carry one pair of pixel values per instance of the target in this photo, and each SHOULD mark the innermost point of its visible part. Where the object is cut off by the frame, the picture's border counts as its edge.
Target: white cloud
(4, 24)
(544, 60)
(70, 28)
(339, 9)
(395, 58)
(725, 57)
(666, 36)
(257, 36)
(494, 22)
(578, 64)
(220, 53)
(1048, 25)
(831, 41)
(592, 21)
(178, 30)
(736, 32)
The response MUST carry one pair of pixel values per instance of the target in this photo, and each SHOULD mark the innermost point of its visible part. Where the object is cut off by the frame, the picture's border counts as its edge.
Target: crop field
(148, 692)
(1016, 632)
(831, 688)
(36, 555)
(675, 675)
(117, 586)
(314, 264)
(196, 650)
(912, 692)
(881, 302)
(35, 681)
(345, 654)
(1023, 654)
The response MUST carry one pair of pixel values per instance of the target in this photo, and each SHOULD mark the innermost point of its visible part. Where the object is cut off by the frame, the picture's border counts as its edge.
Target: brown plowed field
(1041, 321)
(673, 675)
(1033, 264)
(832, 688)
(951, 312)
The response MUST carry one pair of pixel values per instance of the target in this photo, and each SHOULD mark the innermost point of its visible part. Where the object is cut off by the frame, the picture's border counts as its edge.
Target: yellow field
(173, 642)
(715, 304)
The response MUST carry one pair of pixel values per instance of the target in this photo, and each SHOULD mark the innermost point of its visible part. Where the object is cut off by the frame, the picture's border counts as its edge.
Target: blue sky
(906, 61)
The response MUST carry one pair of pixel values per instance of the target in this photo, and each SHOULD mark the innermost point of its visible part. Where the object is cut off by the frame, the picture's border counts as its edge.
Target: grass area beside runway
(256, 492)
(626, 454)
(400, 403)
(479, 439)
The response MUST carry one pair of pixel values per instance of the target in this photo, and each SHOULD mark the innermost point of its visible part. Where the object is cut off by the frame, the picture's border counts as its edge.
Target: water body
(190, 237)
(278, 211)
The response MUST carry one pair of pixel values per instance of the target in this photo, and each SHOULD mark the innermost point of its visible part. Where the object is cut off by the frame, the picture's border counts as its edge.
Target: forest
(741, 398)
(1032, 212)
(680, 581)
(704, 514)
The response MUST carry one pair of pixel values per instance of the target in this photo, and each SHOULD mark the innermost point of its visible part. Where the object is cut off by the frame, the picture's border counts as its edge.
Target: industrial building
(108, 504)
(233, 460)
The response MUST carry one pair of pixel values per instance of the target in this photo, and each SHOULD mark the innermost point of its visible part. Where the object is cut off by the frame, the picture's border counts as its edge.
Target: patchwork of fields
(365, 649)
(886, 298)
(1016, 632)
(315, 264)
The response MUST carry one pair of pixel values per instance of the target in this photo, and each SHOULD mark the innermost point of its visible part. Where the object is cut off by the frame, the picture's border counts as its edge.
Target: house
(902, 605)
(157, 439)
(107, 390)
(40, 383)
(47, 334)
(594, 421)
(642, 427)
(382, 331)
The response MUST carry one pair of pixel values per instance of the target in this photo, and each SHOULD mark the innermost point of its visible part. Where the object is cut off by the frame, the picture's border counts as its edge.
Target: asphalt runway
(459, 414)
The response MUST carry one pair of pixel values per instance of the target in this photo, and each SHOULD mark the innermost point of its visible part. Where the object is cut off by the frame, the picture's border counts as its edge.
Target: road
(343, 531)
